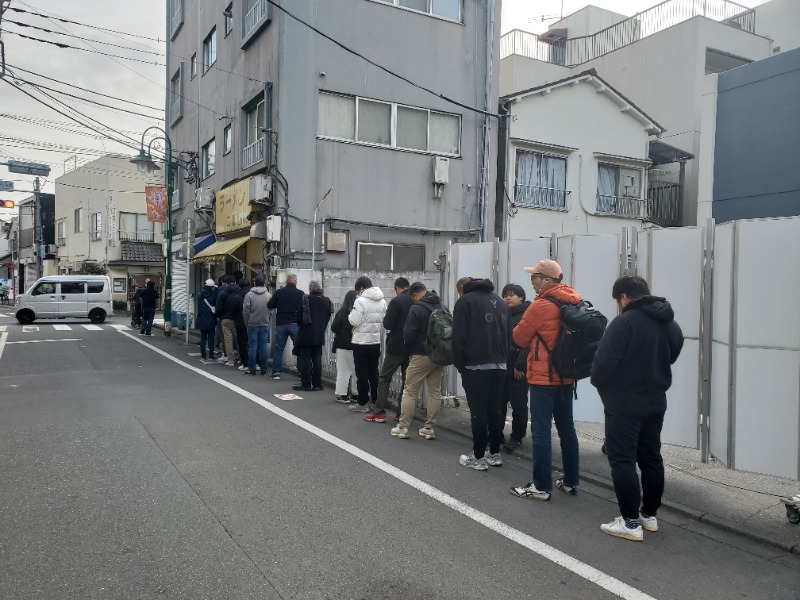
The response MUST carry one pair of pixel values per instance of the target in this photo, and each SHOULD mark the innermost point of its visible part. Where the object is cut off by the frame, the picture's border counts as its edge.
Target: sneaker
(243, 368)
(230, 364)
(276, 377)
(249, 372)
(567, 489)
(375, 417)
(342, 399)
(469, 461)
(358, 408)
(400, 432)
(617, 528)
(511, 444)
(223, 359)
(428, 433)
(648, 523)
(530, 491)
(494, 460)
(301, 388)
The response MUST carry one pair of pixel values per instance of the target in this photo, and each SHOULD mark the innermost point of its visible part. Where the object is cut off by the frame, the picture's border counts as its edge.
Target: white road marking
(119, 327)
(62, 327)
(29, 328)
(3, 337)
(93, 327)
(578, 567)
(3, 327)
(43, 341)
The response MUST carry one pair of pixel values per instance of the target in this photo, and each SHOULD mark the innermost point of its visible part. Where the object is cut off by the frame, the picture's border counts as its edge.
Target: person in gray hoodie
(256, 315)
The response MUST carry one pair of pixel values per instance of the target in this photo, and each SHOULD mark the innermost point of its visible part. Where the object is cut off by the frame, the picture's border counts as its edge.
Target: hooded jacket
(367, 317)
(394, 321)
(539, 330)
(480, 327)
(206, 318)
(238, 306)
(224, 305)
(320, 309)
(255, 309)
(632, 368)
(517, 357)
(341, 328)
(415, 331)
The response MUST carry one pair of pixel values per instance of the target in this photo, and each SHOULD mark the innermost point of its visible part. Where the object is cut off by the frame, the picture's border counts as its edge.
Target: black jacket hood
(654, 307)
(478, 285)
(519, 310)
(431, 298)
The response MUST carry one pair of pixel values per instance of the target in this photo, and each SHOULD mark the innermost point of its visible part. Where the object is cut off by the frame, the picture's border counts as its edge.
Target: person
(343, 347)
(136, 308)
(206, 321)
(420, 367)
(480, 354)
(550, 394)
(148, 301)
(632, 371)
(366, 319)
(239, 323)
(226, 313)
(396, 356)
(515, 390)
(285, 301)
(256, 317)
(218, 338)
(313, 316)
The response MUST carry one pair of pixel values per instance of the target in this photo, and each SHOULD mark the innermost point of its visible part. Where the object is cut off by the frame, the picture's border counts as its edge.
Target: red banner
(157, 206)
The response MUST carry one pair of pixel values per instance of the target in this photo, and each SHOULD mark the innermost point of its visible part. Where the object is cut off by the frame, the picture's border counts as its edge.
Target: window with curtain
(210, 50)
(96, 221)
(255, 121)
(336, 116)
(209, 152)
(135, 227)
(412, 128)
(374, 122)
(541, 180)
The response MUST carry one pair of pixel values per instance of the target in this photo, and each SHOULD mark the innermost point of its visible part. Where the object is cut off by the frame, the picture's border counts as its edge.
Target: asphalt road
(130, 470)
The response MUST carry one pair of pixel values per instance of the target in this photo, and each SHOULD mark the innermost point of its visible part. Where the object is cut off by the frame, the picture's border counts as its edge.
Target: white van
(67, 297)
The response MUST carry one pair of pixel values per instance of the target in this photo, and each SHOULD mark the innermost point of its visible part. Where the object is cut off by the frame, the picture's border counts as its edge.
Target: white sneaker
(469, 461)
(617, 528)
(428, 433)
(242, 368)
(648, 523)
(494, 460)
(530, 491)
(400, 432)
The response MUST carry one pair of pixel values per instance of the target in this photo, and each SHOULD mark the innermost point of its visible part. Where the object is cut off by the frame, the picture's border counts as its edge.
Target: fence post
(706, 337)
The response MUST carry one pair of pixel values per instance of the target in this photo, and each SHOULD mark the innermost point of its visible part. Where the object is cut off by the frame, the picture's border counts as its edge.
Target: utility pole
(38, 238)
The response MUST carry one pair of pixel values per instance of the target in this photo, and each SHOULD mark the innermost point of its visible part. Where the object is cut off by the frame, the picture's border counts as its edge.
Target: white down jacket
(367, 316)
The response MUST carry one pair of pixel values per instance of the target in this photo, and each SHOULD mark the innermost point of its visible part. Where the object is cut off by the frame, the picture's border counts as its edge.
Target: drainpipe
(486, 123)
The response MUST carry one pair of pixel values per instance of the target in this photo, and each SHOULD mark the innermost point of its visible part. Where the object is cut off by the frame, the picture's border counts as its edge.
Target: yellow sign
(232, 207)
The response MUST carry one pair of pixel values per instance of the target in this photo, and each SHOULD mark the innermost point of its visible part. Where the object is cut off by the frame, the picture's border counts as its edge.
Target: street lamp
(145, 164)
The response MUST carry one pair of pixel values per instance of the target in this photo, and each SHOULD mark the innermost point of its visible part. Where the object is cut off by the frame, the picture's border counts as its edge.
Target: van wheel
(98, 315)
(25, 317)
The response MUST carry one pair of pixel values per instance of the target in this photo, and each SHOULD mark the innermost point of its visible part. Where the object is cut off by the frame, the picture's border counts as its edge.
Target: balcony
(253, 153)
(137, 236)
(621, 206)
(664, 204)
(532, 196)
(254, 16)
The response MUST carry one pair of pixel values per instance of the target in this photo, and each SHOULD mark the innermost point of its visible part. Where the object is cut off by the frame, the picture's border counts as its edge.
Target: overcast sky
(143, 83)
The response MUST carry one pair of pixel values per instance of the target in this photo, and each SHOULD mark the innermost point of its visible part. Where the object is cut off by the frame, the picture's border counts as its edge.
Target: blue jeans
(257, 340)
(148, 314)
(282, 333)
(548, 403)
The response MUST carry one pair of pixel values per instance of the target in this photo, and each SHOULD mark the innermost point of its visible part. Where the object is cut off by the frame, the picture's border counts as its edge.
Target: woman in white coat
(367, 321)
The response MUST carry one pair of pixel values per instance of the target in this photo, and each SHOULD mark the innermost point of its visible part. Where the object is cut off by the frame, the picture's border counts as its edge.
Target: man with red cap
(550, 394)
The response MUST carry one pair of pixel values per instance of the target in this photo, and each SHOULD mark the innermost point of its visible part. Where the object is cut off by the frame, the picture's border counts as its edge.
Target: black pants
(366, 358)
(207, 341)
(391, 362)
(309, 363)
(241, 342)
(484, 391)
(515, 393)
(630, 441)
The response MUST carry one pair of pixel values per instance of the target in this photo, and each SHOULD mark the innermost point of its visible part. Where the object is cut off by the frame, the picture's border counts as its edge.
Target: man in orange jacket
(550, 394)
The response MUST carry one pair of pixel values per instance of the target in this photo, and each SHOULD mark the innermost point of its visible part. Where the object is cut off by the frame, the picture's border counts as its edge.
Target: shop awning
(219, 251)
(203, 242)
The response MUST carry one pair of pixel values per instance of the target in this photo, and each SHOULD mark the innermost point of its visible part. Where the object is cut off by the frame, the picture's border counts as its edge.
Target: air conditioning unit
(269, 229)
(204, 199)
(261, 189)
(52, 249)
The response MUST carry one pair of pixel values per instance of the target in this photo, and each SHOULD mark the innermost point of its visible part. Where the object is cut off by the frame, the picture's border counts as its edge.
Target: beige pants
(229, 337)
(421, 368)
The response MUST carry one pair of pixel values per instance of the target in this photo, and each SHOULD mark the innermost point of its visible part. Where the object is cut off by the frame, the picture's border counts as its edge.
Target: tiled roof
(141, 252)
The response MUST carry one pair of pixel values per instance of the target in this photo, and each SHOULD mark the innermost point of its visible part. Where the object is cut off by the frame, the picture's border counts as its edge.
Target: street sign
(6, 186)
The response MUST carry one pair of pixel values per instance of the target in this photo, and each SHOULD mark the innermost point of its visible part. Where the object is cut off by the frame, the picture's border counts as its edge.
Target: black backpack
(582, 327)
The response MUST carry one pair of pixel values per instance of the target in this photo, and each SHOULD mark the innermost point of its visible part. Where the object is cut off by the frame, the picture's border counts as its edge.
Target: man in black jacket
(632, 372)
(238, 321)
(515, 390)
(480, 353)
(313, 315)
(396, 355)
(285, 301)
(225, 311)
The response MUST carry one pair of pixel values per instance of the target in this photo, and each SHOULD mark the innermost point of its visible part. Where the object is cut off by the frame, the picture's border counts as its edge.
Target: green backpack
(439, 339)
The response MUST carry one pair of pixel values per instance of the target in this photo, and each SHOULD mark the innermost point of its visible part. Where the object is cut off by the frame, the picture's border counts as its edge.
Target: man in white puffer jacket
(367, 321)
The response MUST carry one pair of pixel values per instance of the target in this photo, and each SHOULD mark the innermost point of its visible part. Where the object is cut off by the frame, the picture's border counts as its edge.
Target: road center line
(578, 567)
(42, 341)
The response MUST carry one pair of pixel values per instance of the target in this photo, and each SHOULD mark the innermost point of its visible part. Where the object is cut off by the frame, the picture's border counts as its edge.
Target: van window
(72, 287)
(44, 288)
(95, 288)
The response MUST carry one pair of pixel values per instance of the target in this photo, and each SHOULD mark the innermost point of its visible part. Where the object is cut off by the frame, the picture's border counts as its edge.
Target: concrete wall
(778, 20)
(584, 121)
(518, 73)
(587, 21)
(757, 130)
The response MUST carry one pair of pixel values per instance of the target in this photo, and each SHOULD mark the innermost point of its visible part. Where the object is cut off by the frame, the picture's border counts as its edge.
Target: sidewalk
(704, 497)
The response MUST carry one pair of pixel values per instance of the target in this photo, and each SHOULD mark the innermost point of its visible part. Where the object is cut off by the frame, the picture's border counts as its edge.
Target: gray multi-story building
(352, 134)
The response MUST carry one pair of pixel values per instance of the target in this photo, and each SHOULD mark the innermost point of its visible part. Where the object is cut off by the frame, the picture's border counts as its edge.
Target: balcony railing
(253, 16)
(578, 50)
(253, 153)
(540, 197)
(137, 236)
(664, 204)
(621, 206)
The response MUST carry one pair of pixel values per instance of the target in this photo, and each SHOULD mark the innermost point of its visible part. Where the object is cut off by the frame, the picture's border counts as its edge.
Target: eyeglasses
(535, 275)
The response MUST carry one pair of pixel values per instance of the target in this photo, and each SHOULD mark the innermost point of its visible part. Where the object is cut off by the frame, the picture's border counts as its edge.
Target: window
(193, 66)
(176, 18)
(78, 220)
(43, 289)
(390, 257)
(176, 96)
(255, 121)
(541, 180)
(210, 50)
(72, 287)
(619, 191)
(175, 88)
(119, 286)
(227, 139)
(228, 19)
(208, 156)
(135, 227)
(388, 124)
(96, 226)
(253, 151)
(61, 234)
(96, 287)
(447, 9)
